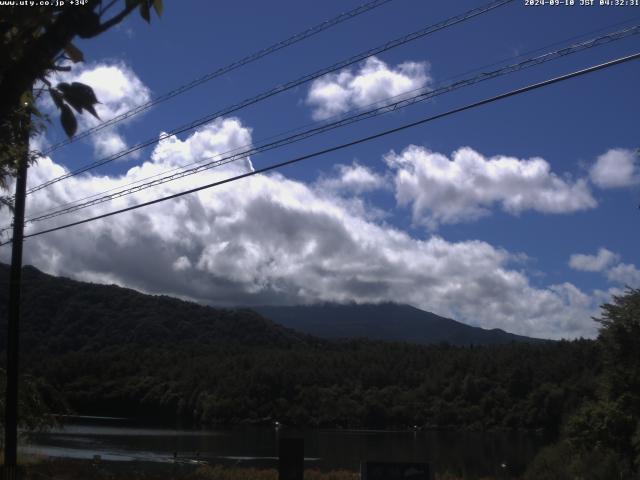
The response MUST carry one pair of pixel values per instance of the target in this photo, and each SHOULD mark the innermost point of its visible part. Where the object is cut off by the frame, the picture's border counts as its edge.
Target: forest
(349, 384)
(105, 350)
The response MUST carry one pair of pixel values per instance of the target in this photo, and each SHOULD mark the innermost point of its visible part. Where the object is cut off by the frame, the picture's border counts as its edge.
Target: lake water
(468, 454)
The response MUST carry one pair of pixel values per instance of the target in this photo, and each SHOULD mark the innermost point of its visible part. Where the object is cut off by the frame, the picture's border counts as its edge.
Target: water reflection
(468, 454)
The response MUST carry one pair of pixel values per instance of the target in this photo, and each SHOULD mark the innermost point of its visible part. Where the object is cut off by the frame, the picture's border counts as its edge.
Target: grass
(83, 470)
(67, 469)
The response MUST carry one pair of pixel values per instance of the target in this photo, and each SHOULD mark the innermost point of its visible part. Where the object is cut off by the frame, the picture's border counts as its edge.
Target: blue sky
(478, 220)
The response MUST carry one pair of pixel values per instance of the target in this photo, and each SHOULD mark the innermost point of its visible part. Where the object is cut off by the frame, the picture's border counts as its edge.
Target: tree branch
(38, 57)
(116, 19)
(104, 10)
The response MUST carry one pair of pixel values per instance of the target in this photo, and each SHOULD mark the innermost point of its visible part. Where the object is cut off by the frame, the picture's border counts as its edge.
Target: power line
(296, 129)
(224, 70)
(502, 96)
(610, 36)
(281, 88)
(387, 106)
(574, 38)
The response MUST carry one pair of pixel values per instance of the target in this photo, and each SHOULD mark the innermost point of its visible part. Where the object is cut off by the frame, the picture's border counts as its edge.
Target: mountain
(112, 351)
(385, 321)
(60, 314)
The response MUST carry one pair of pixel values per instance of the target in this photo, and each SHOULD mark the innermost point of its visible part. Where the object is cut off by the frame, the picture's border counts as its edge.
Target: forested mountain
(114, 351)
(63, 315)
(386, 321)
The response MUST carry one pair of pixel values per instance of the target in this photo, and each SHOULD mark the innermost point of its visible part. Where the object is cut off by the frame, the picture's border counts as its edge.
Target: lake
(464, 453)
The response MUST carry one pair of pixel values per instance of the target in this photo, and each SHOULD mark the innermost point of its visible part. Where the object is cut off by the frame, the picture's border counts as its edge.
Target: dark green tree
(39, 401)
(602, 439)
(619, 337)
(37, 40)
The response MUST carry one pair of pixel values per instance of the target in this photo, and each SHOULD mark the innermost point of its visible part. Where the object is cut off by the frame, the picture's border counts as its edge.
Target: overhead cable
(222, 71)
(388, 105)
(342, 146)
(279, 89)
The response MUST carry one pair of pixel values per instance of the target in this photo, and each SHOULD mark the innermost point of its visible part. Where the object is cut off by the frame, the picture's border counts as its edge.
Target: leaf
(158, 7)
(89, 25)
(144, 10)
(68, 95)
(88, 91)
(79, 96)
(57, 98)
(74, 53)
(68, 120)
(92, 111)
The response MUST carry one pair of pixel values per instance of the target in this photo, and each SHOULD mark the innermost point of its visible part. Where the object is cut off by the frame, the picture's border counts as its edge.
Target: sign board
(394, 471)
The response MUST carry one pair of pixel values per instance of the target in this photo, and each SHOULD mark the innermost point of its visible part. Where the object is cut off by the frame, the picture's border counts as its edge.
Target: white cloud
(354, 178)
(593, 263)
(625, 274)
(182, 263)
(465, 187)
(271, 239)
(118, 90)
(616, 168)
(375, 81)
(108, 143)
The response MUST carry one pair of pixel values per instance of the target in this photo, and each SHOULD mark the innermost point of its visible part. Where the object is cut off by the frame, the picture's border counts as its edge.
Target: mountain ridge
(112, 351)
(57, 309)
(387, 321)
(59, 314)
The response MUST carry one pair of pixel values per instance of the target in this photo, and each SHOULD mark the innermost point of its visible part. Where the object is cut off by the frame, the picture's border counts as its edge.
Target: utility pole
(15, 282)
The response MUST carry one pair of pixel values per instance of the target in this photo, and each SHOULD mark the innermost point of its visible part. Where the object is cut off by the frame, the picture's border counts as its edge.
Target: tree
(39, 402)
(38, 40)
(606, 431)
(619, 337)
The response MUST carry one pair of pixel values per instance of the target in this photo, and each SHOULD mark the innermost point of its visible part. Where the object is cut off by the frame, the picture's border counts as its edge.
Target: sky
(520, 215)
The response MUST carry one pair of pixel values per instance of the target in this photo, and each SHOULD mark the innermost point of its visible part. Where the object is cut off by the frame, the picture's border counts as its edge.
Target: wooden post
(291, 459)
(15, 280)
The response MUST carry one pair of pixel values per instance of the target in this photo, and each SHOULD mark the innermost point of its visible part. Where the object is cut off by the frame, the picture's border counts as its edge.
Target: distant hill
(116, 352)
(385, 321)
(61, 315)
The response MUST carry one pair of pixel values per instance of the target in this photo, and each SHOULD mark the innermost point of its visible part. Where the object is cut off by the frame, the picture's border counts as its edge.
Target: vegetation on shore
(117, 352)
(601, 439)
(84, 469)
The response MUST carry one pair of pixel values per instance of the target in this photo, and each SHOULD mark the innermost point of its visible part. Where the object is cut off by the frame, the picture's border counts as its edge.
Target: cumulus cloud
(118, 89)
(593, 263)
(625, 274)
(270, 239)
(616, 168)
(354, 178)
(373, 82)
(108, 143)
(465, 187)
